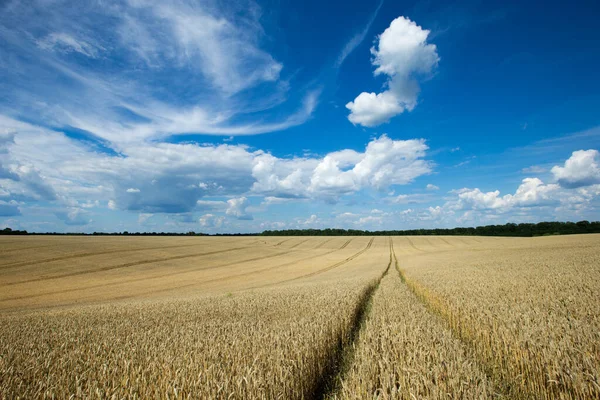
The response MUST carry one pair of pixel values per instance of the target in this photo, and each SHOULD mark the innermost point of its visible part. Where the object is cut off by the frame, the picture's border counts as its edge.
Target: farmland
(300, 317)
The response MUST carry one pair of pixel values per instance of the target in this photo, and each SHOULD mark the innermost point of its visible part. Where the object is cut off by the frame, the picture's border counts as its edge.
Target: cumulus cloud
(311, 221)
(74, 216)
(531, 192)
(432, 187)
(211, 221)
(410, 198)
(181, 177)
(237, 208)
(384, 162)
(581, 169)
(402, 55)
(211, 205)
(370, 220)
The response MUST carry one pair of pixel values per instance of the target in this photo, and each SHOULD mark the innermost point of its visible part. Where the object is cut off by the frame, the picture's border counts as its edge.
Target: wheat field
(300, 317)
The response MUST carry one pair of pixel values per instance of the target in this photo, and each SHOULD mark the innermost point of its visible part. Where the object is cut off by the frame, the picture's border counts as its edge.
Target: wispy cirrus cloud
(159, 69)
(357, 39)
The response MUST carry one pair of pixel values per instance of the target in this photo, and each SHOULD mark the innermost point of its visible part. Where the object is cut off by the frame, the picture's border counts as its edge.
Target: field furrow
(300, 317)
(405, 352)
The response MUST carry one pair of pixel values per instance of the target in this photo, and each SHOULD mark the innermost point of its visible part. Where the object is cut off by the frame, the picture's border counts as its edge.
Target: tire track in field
(172, 274)
(299, 243)
(346, 244)
(26, 248)
(447, 242)
(433, 306)
(341, 355)
(145, 278)
(91, 254)
(338, 264)
(249, 273)
(126, 297)
(283, 241)
(412, 244)
(461, 239)
(329, 268)
(126, 265)
(178, 287)
(323, 243)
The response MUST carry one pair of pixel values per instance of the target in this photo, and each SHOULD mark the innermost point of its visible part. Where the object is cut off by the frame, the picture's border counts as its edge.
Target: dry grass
(529, 308)
(405, 352)
(255, 317)
(270, 342)
(63, 271)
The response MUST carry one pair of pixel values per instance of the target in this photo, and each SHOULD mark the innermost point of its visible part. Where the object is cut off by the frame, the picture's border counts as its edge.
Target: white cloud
(63, 42)
(402, 54)
(581, 169)
(9, 209)
(357, 39)
(211, 221)
(432, 187)
(143, 217)
(181, 178)
(212, 47)
(237, 208)
(410, 198)
(370, 220)
(347, 216)
(74, 216)
(534, 169)
(212, 205)
(384, 162)
(372, 109)
(312, 220)
(225, 52)
(531, 192)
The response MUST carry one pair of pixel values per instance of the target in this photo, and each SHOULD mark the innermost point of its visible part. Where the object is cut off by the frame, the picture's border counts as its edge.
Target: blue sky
(241, 116)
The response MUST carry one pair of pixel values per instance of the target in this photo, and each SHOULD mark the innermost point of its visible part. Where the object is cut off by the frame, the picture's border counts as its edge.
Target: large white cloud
(182, 178)
(402, 55)
(531, 192)
(384, 162)
(237, 208)
(581, 169)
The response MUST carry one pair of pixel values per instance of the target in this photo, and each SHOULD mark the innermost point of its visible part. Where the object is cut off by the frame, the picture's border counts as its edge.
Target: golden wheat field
(300, 317)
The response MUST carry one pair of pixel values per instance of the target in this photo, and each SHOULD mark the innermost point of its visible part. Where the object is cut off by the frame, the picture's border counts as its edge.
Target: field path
(91, 254)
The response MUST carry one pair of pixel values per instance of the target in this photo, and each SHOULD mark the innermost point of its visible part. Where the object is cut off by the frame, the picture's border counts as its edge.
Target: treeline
(510, 229)
(8, 231)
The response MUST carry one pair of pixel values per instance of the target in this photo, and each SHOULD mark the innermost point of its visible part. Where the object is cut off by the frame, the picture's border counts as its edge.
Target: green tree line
(510, 229)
